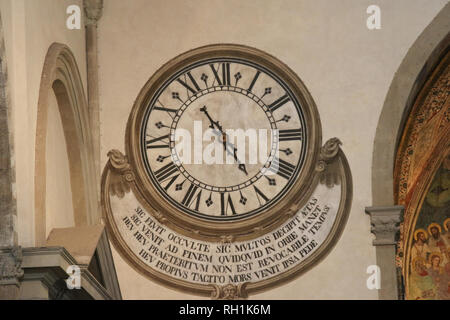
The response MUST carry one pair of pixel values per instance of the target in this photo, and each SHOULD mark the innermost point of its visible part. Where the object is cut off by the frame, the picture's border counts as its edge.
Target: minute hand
(231, 150)
(241, 166)
(226, 144)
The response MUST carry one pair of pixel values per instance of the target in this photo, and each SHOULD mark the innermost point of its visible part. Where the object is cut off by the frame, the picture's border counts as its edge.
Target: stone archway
(385, 212)
(424, 146)
(421, 58)
(60, 76)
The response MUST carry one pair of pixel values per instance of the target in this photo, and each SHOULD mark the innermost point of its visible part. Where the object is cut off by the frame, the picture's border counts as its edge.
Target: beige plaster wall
(346, 67)
(30, 27)
(58, 200)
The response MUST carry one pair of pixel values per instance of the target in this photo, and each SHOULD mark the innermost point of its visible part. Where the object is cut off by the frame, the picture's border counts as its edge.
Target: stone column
(93, 12)
(10, 253)
(10, 272)
(385, 222)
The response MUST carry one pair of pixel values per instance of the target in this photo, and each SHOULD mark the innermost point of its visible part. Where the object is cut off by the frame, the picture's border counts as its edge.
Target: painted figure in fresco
(439, 275)
(447, 233)
(420, 248)
(436, 242)
(447, 273)
(430, 256)
(430, 250)
(422, 284)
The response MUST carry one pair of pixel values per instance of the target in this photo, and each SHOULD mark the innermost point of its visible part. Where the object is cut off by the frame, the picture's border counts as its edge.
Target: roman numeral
(225, 74)
(197, 202)
(224, 206)
(189, 195)
(279, 102)
(282, 168)
(150, 146)
(165, 172)
(291, 134)
(194, 83)
(165, 109)
(215, 74)
(260, 195)
(172, 180)
(253, 81)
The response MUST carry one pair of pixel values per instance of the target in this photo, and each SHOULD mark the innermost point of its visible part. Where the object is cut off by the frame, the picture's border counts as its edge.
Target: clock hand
(227, 146)
(216, 124)
(213, 123)
(241, 166)
(225, 142)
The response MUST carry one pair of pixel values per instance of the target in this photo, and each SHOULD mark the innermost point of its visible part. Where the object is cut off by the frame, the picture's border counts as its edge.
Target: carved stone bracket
(11, 265)
(385, 223)
(93, 10)
(229, 292)
(328, 171)
(121, 175)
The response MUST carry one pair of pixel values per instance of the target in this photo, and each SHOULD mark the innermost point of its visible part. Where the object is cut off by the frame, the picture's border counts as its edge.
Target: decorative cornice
(385, 223)
(93, 10)
(11, 265)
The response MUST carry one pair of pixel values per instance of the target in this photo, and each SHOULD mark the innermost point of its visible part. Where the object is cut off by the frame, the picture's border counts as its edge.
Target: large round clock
(225, 188)
(224, 140)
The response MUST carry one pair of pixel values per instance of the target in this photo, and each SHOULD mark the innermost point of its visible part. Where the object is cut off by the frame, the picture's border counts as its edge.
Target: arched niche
(60, 76)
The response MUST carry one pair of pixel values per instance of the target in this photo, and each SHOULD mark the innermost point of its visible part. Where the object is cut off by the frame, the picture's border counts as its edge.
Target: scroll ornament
(121, 174)
(326, 165)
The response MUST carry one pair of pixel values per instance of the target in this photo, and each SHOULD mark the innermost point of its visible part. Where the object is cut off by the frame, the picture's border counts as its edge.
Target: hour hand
(213, 123)
(224, 141)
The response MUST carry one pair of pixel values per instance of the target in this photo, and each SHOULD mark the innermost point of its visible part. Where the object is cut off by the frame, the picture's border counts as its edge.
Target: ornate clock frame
(325, 165)
(246, 228)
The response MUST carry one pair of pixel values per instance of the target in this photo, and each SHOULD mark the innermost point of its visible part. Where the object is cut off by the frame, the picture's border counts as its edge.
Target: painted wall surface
(30, 27)
(346, 67)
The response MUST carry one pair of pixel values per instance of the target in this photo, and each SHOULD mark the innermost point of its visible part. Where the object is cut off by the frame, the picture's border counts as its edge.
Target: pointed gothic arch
(60, 76)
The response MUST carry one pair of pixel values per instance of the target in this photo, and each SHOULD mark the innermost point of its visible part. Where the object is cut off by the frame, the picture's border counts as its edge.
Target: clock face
(223, 138)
